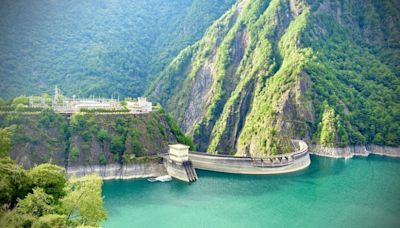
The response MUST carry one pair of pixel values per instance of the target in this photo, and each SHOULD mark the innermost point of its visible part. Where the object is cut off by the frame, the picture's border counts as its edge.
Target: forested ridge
(87, 139)
(238, 77)
(268, 71)
(95, 47)
(261, 73)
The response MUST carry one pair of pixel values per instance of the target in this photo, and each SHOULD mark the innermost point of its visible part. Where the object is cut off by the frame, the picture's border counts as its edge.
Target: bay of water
(359, 192)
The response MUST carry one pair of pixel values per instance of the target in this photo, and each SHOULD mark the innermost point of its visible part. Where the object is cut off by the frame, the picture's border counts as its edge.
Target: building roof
(179, 146)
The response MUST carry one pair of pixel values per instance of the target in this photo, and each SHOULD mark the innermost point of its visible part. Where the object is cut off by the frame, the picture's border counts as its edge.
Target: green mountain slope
(268, 71)
(89, 139)
(95, 47)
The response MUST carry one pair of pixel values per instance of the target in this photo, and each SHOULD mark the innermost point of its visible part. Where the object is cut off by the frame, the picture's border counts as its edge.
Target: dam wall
(278, 164)
(185, 170)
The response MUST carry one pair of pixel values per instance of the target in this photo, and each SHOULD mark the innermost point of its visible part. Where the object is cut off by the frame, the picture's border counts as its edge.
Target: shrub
(117, 145)
(102, 159)
(50, 178)
(74, 154)
(102, 135)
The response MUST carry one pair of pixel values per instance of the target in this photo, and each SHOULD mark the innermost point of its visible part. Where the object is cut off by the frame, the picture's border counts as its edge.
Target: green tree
(328, 128)
(23, 100)
(378, 139)
(102, 135)
(102, 159)
(50, 221)
(74, 154)
(117, 145)
(14, 182)
(49, 177)
(83, 202)
(78, 121)
(13, 219)
(37, 203)
(48, 118)
(19, 108)
(2, 102)
(51, 202)
(86, 136)
(5, 141)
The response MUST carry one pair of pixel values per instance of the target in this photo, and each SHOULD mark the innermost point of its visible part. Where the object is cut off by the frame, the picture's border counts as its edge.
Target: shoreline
(151, 169)
(351, 151)
(119, 172)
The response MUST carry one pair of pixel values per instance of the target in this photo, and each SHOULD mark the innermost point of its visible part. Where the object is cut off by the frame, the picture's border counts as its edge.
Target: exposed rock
(337, 152)
(384, 150)
(116, 171)
(269, 73)
(350, 151)
(146, 134)
(201, 94)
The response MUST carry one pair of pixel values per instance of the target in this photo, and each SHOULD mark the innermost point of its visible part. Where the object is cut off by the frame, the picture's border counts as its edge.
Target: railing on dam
(266, 161)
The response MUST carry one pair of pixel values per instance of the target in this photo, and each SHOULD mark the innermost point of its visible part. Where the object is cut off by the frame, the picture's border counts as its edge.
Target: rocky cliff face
(88, 139)
(262, 73)
(350, 151)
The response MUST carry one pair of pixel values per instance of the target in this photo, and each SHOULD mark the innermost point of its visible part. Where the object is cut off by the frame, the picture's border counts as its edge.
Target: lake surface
(360, 192)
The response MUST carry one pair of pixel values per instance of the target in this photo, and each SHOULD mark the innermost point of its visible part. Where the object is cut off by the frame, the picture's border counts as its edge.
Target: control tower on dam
(277, 164)
(178, 165)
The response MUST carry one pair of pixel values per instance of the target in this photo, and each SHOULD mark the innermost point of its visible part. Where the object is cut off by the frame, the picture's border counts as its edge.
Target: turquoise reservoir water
(360, 192)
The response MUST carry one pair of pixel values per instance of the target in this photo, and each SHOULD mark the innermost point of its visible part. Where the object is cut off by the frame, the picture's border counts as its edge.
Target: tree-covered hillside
(43, 197)
(326, 71)
(95, 47)
(37, 137)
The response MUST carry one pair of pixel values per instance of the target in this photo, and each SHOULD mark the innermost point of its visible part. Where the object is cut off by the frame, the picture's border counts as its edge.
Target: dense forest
(95, 47)
(238, 77)
(43, 197)
(242, 77)
(40, 136)
(267, 71)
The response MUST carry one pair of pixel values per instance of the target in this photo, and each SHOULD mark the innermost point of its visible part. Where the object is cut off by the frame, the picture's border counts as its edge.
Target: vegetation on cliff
(355, 69)
(43, 197)
(88, 138)
(268, 71)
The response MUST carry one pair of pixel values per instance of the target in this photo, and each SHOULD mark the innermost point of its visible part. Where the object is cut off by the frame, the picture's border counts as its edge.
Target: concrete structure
(181, 164)
(178, 164)
(284, 163)
(179, 152)
(139, 106)
(67, 105)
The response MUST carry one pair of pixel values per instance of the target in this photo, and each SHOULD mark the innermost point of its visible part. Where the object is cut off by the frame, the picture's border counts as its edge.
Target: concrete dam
(181, 164)
(283, 163)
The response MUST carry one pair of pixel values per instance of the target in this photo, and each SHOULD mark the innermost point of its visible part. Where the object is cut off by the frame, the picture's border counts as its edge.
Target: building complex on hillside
(63, 104)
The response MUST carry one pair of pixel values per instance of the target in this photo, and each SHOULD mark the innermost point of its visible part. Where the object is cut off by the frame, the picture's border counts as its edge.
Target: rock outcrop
(116, 171)
(262, 73)
(350, 151)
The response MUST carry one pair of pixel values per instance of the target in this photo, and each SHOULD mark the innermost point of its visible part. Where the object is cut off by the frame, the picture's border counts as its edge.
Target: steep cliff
(89, 139)
(268, 71)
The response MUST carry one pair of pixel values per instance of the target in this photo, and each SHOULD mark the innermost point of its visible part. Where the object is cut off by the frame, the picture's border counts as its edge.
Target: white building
(63, 104)
(179, 152)
(139, 106)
